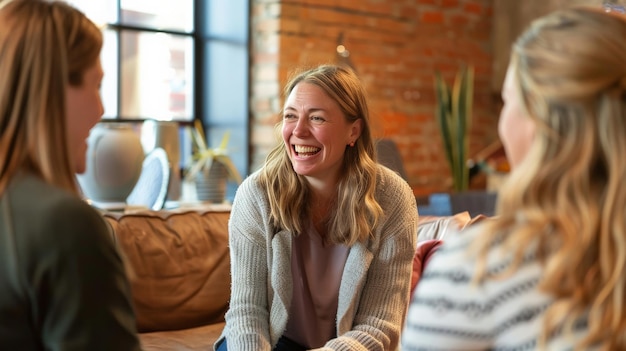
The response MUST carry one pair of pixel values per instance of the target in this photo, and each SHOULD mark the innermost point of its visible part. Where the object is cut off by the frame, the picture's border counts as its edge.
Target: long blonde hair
(44, 47)
(568, 195)
(356, 209)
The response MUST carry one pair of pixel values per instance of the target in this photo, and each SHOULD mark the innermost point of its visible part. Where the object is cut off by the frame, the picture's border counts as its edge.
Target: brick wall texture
(395, 47)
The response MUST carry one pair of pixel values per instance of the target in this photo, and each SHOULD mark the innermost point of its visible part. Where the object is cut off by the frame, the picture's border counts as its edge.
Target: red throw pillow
(424, 252)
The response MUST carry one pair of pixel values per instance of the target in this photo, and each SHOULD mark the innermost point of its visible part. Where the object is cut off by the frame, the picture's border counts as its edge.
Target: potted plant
(210, 168)
(454, 116)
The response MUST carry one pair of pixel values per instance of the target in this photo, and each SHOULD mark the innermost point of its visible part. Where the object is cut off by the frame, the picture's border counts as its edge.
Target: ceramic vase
(114, 160)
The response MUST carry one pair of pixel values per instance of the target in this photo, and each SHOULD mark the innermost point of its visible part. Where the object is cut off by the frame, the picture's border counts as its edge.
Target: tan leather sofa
(180, 271)
(180, 274)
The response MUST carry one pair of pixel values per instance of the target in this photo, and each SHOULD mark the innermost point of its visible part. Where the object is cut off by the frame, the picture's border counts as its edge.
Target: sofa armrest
(180, 263)
(435, 227)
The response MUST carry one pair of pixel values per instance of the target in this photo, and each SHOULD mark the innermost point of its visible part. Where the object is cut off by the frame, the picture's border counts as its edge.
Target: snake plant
(454, 115)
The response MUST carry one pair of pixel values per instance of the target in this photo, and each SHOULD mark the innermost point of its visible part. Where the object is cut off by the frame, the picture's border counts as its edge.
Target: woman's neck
(321, 205)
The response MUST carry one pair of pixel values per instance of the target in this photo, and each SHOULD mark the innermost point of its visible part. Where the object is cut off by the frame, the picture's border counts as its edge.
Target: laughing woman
(322, 237)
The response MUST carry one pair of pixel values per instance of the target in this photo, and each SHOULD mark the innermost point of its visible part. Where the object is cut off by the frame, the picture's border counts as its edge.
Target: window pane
(157, 76)
(159, 14)
(225, 101)
(237, 149)
(234, 26)
(99, 11)
(108, 57)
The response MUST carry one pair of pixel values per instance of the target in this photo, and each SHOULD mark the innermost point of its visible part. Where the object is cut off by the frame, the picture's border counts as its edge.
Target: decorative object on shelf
(210, 168)
(114, 161)
(152, 187)
(454, 115)
(165, 135)
(211, 183)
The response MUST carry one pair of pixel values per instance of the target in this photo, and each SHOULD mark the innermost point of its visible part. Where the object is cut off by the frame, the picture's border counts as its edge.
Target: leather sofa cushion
(436, 227)
(430, 235)
(180, 266)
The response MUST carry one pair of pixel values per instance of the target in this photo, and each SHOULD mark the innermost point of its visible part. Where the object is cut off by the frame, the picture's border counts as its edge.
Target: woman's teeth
(305, 150)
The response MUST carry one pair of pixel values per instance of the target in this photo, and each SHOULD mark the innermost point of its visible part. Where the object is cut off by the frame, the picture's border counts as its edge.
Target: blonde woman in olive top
(62, 281)
(322, 237)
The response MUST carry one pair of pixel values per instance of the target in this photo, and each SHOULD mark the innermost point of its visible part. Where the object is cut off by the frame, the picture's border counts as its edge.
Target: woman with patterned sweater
(547, 272)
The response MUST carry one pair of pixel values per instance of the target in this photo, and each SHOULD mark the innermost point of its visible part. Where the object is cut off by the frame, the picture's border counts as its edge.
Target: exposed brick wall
(395, 46)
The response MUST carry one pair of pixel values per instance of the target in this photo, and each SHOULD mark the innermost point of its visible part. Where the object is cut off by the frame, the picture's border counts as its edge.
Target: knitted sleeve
(247, 320)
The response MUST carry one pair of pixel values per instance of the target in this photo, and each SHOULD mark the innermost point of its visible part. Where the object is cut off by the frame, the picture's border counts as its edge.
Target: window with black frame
(148, 57)
(177, 60)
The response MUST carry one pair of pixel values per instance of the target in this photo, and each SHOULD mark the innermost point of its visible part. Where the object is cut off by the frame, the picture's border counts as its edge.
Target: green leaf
(202, 160)
(443, 111)
(454, 113)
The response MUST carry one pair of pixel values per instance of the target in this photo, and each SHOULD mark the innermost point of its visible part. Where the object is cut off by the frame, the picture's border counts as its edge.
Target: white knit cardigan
(374, 292)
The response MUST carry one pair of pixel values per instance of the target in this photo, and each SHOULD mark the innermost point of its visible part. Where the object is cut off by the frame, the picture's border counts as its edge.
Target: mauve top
(316, 269)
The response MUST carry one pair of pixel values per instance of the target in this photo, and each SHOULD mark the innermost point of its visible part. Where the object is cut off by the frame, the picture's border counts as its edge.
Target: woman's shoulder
(45, 214)
(250, 195)
(31, 193)
(43, 197)
(389, 179)
(250, 187)
(391, 187)
(457, 258)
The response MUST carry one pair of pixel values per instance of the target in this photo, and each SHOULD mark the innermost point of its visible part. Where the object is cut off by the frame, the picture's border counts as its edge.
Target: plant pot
(447, 204)
(211, 183)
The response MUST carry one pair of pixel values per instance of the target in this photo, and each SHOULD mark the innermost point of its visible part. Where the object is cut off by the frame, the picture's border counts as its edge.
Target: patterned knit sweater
(448, 312)
(374, 291)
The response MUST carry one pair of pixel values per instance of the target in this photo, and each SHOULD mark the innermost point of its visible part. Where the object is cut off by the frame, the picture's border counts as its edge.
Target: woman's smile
(305, 150)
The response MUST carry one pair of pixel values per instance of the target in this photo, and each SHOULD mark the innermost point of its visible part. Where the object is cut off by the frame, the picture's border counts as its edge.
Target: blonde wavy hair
(568, 195)
(44, 47)
(356, 210)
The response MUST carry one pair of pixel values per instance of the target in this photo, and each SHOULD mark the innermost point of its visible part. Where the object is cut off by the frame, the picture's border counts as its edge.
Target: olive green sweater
(62, 281)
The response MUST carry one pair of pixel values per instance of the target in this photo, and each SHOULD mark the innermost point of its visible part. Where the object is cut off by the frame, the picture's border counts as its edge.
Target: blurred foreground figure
(548, 272)
(63, 285)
